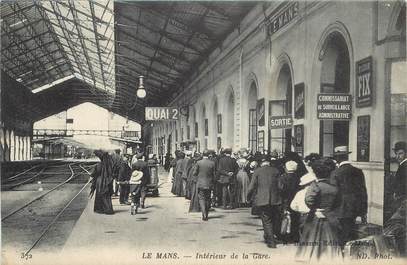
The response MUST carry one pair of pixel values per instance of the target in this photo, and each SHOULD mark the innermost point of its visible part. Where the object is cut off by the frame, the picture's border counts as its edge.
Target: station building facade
(306, 77)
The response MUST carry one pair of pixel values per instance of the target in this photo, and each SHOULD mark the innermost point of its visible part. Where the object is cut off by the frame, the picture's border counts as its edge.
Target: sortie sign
(161, 113)
(280, 122)
(334, 106)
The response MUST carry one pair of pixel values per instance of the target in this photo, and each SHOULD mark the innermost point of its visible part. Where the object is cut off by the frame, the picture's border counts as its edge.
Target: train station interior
(265, 76)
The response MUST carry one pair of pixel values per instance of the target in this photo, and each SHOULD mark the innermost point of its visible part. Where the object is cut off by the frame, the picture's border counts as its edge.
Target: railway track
(31, 223)
(35, 173)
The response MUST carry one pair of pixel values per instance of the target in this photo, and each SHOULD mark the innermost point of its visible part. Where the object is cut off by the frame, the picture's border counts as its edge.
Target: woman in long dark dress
(289, 185)
(102, 183)
(194, 204)
(320, 235)
(179, 169)
(173, 164)
(190, 166)
(242, 181)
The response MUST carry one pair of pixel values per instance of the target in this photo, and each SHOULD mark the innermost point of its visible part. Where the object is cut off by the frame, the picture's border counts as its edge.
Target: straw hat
(291, 166)
(307, 178)
(341, 150)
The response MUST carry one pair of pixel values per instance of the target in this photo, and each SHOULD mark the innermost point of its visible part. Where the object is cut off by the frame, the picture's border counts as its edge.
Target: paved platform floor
(165, 233)
(170, 234)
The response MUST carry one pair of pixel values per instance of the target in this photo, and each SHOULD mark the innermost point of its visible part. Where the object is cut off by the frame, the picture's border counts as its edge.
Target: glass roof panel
(82, 28)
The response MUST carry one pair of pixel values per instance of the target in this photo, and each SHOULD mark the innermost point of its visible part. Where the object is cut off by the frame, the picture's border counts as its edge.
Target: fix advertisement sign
(161, 113)
(364, 82)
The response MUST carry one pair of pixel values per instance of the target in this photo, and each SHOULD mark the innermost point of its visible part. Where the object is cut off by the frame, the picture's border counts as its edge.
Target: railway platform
(166, 233)
(162, 233)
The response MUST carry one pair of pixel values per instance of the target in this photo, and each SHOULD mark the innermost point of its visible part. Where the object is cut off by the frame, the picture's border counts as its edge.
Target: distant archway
(251, 104)
(229, 124)
(281, 105)
(204, 129)
(215, 139)
(335, 78)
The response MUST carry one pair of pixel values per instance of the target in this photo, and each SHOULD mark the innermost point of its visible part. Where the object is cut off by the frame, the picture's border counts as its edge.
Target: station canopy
(97, 49)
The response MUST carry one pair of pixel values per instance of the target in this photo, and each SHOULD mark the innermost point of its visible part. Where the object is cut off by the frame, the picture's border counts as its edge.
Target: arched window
(252, 101)
(216, 125)
(280, 139)
(230, 119)
(205, 129)
(335, 78)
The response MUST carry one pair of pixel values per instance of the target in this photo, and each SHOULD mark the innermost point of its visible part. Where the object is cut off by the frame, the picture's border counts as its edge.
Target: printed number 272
(26, 256)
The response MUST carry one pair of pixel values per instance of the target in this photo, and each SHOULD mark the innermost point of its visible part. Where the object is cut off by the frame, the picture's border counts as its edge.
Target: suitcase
(365, 230)
(371, 247)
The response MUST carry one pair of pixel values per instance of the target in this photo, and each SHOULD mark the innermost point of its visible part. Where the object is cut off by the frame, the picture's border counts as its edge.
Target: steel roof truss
(154, 46)
(62, 25)
(22, 49)
(191, 29)
(54, 34)
(163, 33)
(78, 28)
(33, 33)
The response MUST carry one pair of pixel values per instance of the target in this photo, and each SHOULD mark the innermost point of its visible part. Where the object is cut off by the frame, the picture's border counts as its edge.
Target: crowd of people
(313, 203)
(122, 176)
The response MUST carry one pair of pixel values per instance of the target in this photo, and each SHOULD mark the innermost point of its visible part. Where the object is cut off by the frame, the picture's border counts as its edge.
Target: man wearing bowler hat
(352, 193)
(204, 171)
(400, 183)
(263, 191)
(227, 170)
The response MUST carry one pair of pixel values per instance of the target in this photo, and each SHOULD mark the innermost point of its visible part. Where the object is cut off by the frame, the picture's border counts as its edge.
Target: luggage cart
(152, 184)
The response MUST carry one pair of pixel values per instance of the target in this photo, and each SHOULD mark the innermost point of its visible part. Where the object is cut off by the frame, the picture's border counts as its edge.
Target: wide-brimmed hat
(227, 150)
(291, 166)
(341, 150)
(263, 158)
(307, 178)
(400, 146)
(274, 154)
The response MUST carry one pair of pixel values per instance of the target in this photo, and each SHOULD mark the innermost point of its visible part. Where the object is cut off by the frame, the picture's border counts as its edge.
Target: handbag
(255, 210)
(170, 175)
(286, 223)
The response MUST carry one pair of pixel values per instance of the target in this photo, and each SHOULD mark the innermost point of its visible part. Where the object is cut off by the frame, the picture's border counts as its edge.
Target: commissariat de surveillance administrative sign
(334, 106)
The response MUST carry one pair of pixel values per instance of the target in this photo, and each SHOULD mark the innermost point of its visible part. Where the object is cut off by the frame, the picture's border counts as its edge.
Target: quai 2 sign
(161, 113)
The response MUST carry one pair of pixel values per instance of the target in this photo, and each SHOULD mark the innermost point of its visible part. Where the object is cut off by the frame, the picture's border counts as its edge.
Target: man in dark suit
(142, 165)
(351, 185)
(227, 170)
(264, 193)
(117, 161)
(124, 176)
(400, 183)
(205, 173)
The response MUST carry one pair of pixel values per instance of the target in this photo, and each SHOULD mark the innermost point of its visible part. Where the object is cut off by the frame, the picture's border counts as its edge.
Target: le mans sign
(334, 106)
(161, 113)
(286, 16)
